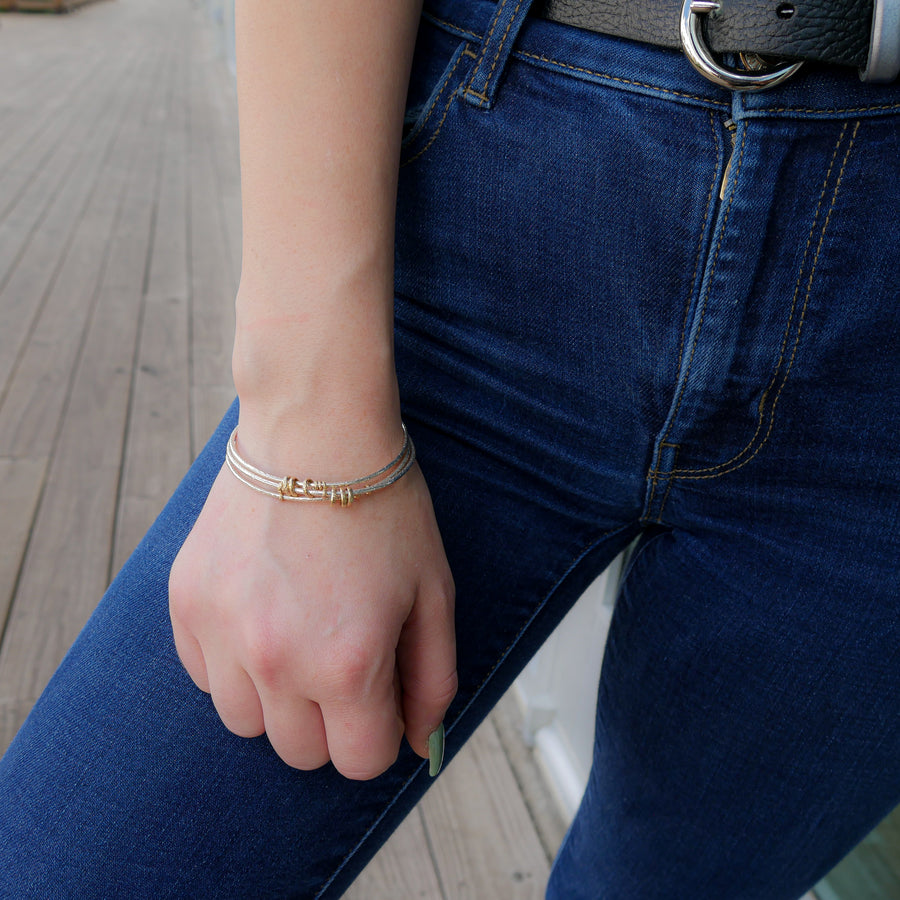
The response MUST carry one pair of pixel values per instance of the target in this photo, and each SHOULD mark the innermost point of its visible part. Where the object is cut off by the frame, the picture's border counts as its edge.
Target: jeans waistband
(817, 91)
(836, 31)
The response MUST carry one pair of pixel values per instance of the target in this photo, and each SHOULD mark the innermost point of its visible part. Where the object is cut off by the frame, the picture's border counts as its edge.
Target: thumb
(426, 659)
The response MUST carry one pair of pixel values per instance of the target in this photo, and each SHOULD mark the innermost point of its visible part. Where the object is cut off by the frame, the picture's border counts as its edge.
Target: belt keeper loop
(883, 64)
(494, 53)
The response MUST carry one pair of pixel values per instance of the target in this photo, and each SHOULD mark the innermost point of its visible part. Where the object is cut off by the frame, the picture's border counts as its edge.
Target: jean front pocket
(440, 67)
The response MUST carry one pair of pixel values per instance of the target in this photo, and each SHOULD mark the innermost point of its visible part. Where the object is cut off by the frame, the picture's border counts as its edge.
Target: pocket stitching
(417, 130)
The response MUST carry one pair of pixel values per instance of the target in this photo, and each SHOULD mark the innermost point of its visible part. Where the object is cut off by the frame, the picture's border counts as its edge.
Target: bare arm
(331, 629)
(321, 88)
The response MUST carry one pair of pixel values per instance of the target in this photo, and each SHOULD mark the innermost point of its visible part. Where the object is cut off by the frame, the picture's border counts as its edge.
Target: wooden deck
(119, 258)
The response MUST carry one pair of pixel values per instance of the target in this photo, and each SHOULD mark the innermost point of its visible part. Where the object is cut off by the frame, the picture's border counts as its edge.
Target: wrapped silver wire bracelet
(308, 489)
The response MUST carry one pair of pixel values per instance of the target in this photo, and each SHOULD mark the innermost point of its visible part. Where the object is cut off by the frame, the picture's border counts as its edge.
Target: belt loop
(495, 49)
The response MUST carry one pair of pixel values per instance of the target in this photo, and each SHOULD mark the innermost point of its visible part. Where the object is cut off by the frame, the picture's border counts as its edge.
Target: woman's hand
(331, 629)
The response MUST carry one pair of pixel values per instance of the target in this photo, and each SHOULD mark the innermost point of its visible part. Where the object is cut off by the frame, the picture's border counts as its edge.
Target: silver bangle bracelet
(309, 489)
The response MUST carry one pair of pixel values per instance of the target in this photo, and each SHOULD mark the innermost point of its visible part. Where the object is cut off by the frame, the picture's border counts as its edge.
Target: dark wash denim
(599, 339)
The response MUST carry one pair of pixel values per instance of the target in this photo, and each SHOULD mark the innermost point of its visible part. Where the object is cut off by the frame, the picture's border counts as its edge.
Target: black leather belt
(839, 32)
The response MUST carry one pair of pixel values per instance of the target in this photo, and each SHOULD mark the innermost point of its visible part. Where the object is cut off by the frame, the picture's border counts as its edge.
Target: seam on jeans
(618, 80)
(655, 478)
(447, 106)
(526, 55)
(451, 26)
(355, 849)
(484, 46)
(731, 464)
(475, 694)
(482, 97)
(506, 651)
(712, 188)
(671, 481)
(503, 41)
(834, 110)
(799, 325)
(447, 78)
(655, 473)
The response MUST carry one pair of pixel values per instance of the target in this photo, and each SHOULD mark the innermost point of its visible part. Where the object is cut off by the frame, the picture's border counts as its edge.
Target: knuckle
(350, 668)
(266, 652)
(181, 593)
(439, 693)
(445, 691)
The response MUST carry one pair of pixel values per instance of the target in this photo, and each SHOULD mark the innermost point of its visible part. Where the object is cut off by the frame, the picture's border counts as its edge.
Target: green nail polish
(436, 750)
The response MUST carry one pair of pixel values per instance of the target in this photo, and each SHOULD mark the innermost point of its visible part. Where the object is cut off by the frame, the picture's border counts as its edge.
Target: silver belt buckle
(701, 58)
(884, 46)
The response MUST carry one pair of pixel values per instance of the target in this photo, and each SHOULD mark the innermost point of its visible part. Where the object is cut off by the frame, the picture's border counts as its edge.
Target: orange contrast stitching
(453, 27)
(440, 124)
(787, 331)
(837, 111)
(724, 104)
(665, 499)
(802, 318)
(414, 133)
(484, 46)
(712, 271)
(503, 40)
(654, 477)
(712, 187)
(605, 77)
(654, 473)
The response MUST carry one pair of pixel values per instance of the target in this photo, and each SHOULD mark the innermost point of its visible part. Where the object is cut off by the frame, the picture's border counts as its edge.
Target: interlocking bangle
(307, 489)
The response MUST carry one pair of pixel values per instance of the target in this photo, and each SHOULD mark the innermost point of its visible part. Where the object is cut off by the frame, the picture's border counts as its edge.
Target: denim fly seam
(706, 234)
(666, 468)
(767, 413)
(659, 474)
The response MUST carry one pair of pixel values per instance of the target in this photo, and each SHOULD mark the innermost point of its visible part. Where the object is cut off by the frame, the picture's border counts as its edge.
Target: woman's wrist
(315, 394)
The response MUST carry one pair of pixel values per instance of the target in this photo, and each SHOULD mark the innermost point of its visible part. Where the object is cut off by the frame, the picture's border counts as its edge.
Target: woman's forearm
(321, 90)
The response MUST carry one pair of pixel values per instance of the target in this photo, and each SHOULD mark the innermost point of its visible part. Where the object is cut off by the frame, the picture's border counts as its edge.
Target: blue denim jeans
(630, 307)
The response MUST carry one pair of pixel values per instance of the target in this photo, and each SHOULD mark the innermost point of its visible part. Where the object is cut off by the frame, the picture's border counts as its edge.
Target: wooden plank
(21, 482)
(41, 87)
(38, 226)
(67, 565)
(543, 809)
(474, 827)
(158, 442)
(215, 234)
(402, 870)
(220, 90)
(482, 838)
(158, 449)
(39, 382)
(213, 267)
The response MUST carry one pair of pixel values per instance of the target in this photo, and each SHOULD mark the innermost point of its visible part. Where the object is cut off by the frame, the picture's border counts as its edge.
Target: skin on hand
(329, 629)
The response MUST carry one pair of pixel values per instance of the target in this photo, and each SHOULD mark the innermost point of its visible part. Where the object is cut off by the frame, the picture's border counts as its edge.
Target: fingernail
(436, 750)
